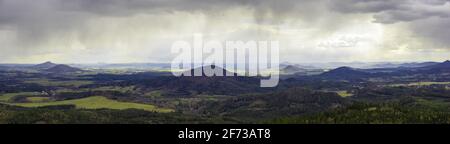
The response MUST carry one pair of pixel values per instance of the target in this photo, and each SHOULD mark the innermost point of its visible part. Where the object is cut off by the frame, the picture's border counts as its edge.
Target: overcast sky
(120, 31)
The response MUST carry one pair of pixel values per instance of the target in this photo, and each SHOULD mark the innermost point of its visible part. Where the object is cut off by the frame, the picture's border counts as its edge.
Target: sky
(125, 31)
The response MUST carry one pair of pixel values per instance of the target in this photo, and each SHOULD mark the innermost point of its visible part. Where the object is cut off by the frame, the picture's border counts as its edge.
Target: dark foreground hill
(292, 101)
(182, 86)
(213, 85)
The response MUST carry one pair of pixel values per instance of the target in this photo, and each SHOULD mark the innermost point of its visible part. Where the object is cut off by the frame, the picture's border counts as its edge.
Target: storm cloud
(428, 19)
(85, 31)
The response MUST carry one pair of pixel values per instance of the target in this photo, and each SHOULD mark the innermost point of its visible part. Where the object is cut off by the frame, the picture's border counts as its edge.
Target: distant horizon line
(284, 62)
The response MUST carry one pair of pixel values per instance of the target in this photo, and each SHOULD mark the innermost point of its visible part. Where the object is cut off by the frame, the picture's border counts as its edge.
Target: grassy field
(38, 99)
(7, 97)
(97, 102)
(344, 93)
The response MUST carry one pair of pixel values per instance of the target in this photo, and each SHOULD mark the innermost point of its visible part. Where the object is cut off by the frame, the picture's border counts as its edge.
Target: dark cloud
(36, 22)
(393, 11)
(427, 19)
(365, 6)
(15, 9)
(434, 30)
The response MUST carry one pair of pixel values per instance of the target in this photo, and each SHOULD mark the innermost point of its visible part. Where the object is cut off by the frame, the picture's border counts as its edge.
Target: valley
(66, 94)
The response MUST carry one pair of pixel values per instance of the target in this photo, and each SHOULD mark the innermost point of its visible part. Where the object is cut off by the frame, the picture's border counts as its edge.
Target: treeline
(292, 101)
(69, 115)
(364, 113)
(394, 93)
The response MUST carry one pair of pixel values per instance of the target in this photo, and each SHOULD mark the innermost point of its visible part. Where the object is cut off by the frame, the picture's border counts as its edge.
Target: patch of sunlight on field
(38, 99)
(421, 84)
(47, 82)
(97, 102)
(7, 97)
(344, 93)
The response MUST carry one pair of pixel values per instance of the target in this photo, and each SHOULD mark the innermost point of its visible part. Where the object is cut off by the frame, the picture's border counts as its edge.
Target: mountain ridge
(45, 65)
(62, 68)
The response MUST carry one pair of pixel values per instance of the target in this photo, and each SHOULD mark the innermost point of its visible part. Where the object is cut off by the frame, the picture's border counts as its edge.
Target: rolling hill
(61, 68)
(290, 69)
(344, 73)
(45, 65)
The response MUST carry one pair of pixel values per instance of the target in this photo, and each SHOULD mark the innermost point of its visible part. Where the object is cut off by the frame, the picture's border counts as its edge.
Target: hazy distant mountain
(403, 65)
(445, 64)
(437, 68)
(290, 69)
(348, 73)
(3, 67)
(45, 65)
(136, 66)
(424, 64)
(61, 68)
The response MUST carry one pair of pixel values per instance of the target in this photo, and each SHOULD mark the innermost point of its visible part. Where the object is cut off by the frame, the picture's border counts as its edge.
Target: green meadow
(38, 99)
(7, 97)
(94, 102)
(344, 93)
